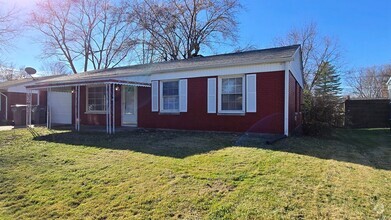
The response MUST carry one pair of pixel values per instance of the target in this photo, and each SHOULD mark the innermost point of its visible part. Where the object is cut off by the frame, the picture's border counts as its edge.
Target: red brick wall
(267, 119)
(2, 111)
(295, 100)
(43, 97)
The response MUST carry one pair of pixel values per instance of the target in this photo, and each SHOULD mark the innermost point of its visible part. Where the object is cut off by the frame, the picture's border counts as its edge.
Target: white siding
(20, 89)
(295, 66)
(141, 79)
(223, 71)
(60, 104)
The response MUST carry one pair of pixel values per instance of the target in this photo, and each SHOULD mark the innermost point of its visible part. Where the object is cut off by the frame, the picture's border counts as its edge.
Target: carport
(60, 104)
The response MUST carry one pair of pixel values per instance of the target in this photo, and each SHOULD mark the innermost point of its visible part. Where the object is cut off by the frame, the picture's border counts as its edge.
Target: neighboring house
(14, 92)
(255, 91)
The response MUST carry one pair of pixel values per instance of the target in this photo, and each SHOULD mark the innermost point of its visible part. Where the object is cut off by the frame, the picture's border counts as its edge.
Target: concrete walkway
(6, 128)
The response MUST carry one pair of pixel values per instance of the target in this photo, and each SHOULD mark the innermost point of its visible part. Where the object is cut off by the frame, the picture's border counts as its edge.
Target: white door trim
(123, 123)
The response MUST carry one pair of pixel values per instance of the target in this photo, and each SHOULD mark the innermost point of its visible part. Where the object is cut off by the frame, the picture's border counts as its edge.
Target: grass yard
(190, 175)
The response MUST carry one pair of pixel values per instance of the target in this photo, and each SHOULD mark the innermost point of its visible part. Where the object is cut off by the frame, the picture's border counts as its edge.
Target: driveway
(6, 128)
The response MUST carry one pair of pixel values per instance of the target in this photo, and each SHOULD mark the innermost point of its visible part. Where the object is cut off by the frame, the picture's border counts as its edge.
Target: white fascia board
(122, 72)
(389, 82)
(139, 78)
(296, 67)
(21, 89)
(233, 70)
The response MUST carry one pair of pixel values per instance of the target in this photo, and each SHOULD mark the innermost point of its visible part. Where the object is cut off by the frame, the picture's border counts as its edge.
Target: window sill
(95, 113)
(232, 113)
(169, 113)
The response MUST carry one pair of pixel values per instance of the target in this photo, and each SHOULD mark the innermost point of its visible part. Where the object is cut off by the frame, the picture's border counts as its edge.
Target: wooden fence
(371, 113)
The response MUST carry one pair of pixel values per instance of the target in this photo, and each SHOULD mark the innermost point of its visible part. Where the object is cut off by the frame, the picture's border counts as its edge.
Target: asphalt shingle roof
(11, 83)
(271, 55)
(7, 84)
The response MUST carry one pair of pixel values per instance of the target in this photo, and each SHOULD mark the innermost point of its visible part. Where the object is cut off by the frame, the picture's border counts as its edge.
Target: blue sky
(363, 28)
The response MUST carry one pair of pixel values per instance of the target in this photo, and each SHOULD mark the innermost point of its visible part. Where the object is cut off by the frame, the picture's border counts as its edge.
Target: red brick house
(254, 91)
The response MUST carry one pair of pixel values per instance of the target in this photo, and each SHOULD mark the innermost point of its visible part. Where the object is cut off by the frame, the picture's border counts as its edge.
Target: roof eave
(123, 71)
(203, 67)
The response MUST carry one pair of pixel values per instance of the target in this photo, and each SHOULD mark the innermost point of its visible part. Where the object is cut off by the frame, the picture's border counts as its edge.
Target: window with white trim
(231, 92)
(170, 96)
(96, 99)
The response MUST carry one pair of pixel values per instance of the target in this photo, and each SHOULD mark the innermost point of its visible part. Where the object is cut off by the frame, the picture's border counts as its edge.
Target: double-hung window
(170, 96)
(231, 92)
(96, 99)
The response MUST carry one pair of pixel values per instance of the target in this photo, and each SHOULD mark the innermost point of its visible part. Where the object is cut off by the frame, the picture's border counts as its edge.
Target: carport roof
(91, 82)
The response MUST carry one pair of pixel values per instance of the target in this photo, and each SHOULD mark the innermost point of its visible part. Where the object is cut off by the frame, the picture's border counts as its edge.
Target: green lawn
(190, 175)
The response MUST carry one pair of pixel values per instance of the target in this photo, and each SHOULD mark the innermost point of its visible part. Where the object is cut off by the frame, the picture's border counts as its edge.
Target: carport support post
(28, 107)
(113, 88)
(110, 118)
(48, 112)
(77, 107)
(107, 109)
(75, 99)
(110, 108)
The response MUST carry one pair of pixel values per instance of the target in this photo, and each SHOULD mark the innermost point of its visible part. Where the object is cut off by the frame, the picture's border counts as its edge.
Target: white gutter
(286, 100)
(6, 105)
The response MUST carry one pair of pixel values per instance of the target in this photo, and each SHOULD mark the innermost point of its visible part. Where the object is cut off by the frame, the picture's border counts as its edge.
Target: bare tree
(180, 29)
(145, 52)
(94, 34)
(316, 50)
(9, 26)
(244, 48)
(9, 72)
(370, 82)
(54, 68)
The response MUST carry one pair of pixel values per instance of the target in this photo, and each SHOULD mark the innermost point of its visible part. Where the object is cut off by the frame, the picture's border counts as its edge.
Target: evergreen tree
(323, 108)
(328, 84)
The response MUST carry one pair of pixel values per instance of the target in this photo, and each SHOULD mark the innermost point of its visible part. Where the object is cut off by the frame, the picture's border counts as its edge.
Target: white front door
(129, 105)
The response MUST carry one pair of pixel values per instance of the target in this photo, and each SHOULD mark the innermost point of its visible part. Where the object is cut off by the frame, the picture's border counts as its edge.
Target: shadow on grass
(368, 147)
(176, 144)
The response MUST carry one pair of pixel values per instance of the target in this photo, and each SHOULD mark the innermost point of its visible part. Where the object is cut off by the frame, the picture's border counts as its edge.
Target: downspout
(286, 100)
(38, 97)
(6, 105)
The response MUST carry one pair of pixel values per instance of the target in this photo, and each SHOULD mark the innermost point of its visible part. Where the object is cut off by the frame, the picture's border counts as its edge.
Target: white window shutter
(183, 95)
(251, 93)
(155, 96)
(212, 95)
